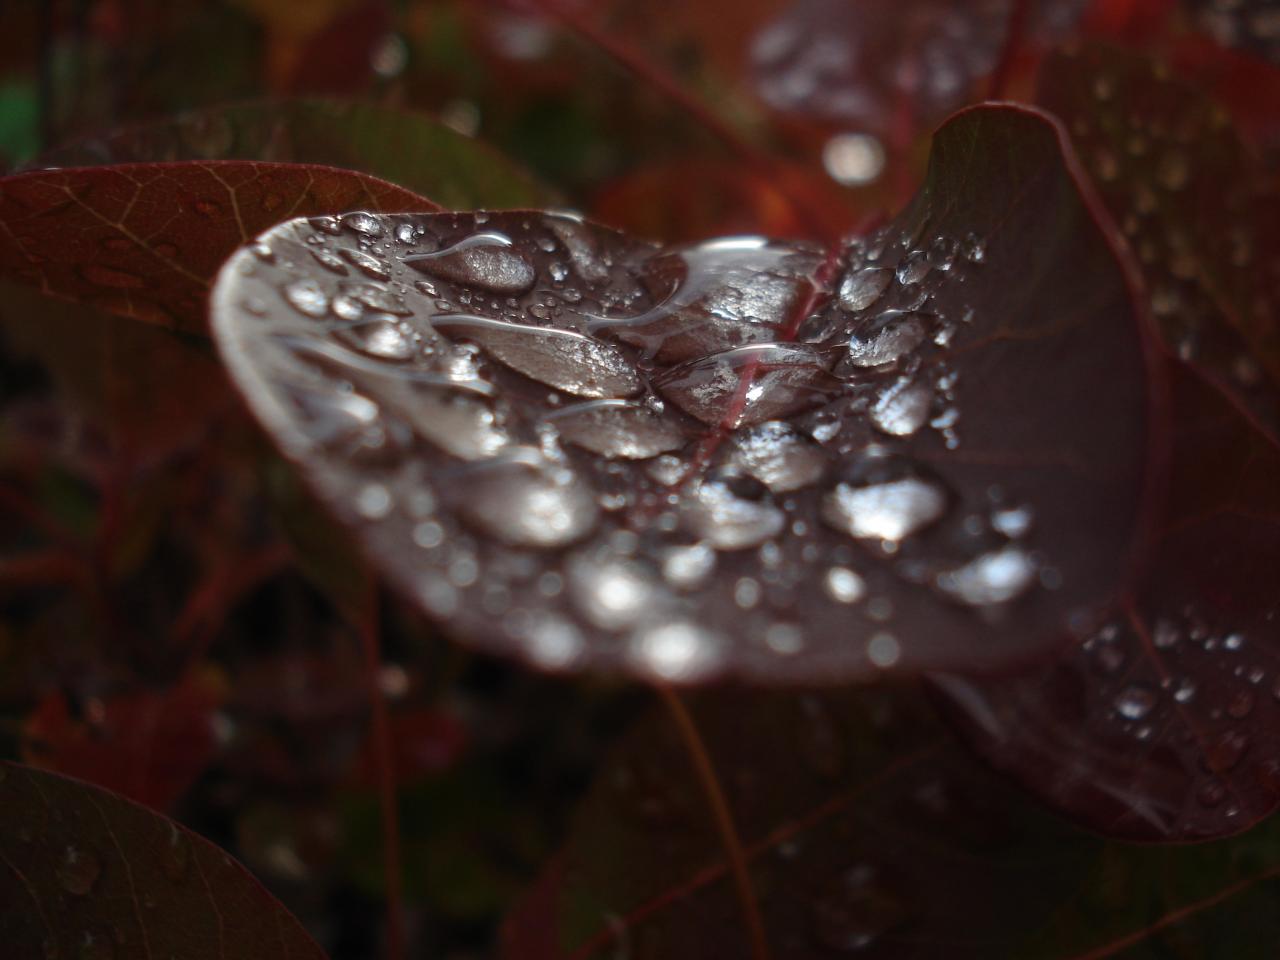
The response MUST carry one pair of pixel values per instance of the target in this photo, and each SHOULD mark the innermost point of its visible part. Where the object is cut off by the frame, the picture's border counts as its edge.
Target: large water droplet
(485, 260)
(731, 511)
(861, 288)
(778, 455)
(749, 385)
(78, 869)
(572, 362)
(618, 429)
(528, 505)
(887, 340)
(992, 578)
(379, 337)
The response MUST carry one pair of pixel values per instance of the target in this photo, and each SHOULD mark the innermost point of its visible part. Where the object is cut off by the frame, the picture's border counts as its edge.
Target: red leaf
(147, 746)
(579, 448)
(145, 240)
(85, 873)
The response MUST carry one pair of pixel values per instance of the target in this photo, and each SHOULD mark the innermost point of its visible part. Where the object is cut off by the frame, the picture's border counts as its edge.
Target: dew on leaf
(612, 594)
(1135, 702)
(732, 511)
(688, 567)
(618, 429)
(307, 297)
(890, 510)
(528, 505)
(378, 337)
(903, 407)
(992, 578)
(485, 260)
(679, 651)
(844, 585)
(778, 455)
(861, 288)
(887, 341)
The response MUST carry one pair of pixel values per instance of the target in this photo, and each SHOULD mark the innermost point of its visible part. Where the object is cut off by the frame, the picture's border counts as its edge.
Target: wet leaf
(741, 457)
(85, 873)
(1161, 726)
(405, 147)
(145, 240)
(868, 831)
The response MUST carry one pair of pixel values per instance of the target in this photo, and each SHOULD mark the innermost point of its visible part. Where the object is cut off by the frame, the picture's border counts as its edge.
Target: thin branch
(724, 820)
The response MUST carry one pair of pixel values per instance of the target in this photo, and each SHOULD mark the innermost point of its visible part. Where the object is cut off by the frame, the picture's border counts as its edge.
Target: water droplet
(844, 585)
(618, 429)
(784, 638)
(373, 502)
(677, 651)
(1012, 522)
(552, 641)
(378, 337)
(890, 510)
(883, 650)
(78, 869)
(365, 224)
(861, 288)
(992, 578)
(887, 341)
(367, 264)
(1135, 702)
(612, 594)
(902, 408)
(779, 456)
(485, 260)
(528, 506)
(307, 297)
(731, 511)
(457, 421)
(568, 361)
(1173, 171)
(330, 261)
(1185, 692)
(688, 567)
(746, 593)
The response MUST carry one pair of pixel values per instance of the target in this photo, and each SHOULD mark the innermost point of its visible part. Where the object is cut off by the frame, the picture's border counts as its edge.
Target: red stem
(383, 762)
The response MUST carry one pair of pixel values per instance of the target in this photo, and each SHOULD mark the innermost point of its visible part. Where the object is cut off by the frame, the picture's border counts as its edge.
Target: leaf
(1161, 726)
(868, 831)
(145, 240)
(85, 873)
(1197, 208)
(581, 449)
(878, 64)
(405, 147)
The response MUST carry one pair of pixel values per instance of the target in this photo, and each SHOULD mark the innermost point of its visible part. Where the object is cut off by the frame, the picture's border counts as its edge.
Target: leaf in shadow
(403, 146)
(145, 240)
(85, 873)
(868, 830)
(1162, 725)
(927, 448)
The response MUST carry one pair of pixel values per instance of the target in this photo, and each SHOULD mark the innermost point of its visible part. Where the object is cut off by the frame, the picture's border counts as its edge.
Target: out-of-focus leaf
(144, 240)
(739, 457)
(868, 831)
(86, 873)
(405, 147)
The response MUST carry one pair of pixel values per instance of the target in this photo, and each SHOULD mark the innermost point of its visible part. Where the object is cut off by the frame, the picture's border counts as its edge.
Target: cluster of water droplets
(685, 428)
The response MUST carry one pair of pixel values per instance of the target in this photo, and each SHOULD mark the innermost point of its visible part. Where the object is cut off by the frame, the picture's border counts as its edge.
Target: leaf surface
(743, 457)
(868, 831)
(85, 873)
(145, 240)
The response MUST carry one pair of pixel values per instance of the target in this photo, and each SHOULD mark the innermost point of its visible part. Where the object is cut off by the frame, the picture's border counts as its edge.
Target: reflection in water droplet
(732, 512)
(307, 298)
(888, 511)
(861, 288)
(378, 337)
(992, 578)
(78, 869)
(1135, 702)
(844, 585)
(678, 651)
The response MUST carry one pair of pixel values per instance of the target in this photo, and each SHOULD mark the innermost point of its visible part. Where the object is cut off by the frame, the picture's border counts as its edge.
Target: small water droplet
(887, 340)
(1173, 171)
(861, 288)
(778, 455)
(914, 267)
(731, 511)
(365, 224)
(612, 594)
(1013, 522)
(1185, 691)
(1135, 702)
(903, 407)
(891, 510)
(78, 869)
(853, 159)
(883, 650)
(688, 567)
(374, 501)
(844, 585)
(618, 429)
(677, 651)
(784, 638)
(378, 337)
(366, 263)
(530, 506)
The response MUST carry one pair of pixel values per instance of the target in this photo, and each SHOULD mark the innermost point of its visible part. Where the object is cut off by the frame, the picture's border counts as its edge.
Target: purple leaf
(924, 450)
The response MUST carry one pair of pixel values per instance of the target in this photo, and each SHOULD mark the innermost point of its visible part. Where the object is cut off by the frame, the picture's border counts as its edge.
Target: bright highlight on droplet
(853, 159)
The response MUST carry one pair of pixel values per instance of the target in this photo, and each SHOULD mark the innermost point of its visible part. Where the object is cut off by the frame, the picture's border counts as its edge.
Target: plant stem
(723, 818)
(369, 629)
